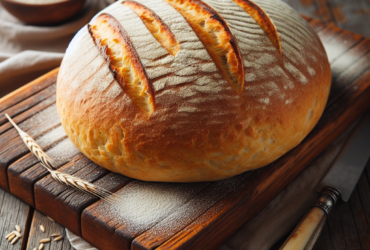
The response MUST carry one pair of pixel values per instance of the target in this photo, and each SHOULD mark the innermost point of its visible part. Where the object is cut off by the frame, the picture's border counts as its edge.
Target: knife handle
(305, 235)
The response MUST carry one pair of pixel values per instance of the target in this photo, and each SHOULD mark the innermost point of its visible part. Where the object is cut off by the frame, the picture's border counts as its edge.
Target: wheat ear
(34, 147)
(61, 177)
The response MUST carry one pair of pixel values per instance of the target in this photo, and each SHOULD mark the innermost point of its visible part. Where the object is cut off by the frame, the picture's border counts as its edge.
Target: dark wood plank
(188, 212)
(12, 146)
(338, 46)
(349, 16)
(324, 241)
(348, 68)
(364, 11)
(29, 113)
(68, 204)
(317, 25)
(117, 229)
(24, 173)
(335, 228)
(307, 18)
(306, 7)
(34, 126)
(229, 214)
(363, 188)
(28, 103)
(362, 230)
(323, 11)
(349, 226)
(331, 32)
(51, 227)
(13, 212)
(28, 90)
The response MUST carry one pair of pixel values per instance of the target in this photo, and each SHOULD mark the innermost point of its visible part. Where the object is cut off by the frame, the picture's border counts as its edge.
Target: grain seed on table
(45, 240)
(58, 238)
(14, 235)
(8, 235)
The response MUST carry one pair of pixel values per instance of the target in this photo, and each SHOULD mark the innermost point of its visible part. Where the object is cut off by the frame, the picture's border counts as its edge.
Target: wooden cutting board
(198, 215)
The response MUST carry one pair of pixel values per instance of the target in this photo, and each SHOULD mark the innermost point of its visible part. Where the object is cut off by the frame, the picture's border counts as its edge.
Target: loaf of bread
(191, 90)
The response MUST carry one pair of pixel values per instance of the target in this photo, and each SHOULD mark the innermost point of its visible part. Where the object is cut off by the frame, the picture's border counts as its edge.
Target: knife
(339, 182)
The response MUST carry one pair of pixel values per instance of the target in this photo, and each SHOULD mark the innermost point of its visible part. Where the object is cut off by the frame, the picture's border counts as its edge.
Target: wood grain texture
(356, 65)
(51, 227)
(69, 203)
(317, 25)
(12, 146)
(347, 14)
(347, 226)
(13, 212)
(24, 173)
(113, 224)
(29, 113)
(335, 49)
(221, 207)
(213, 193)
(28, 90)
(231, 213)
(28, 103)
(331, 31)
(324, 241)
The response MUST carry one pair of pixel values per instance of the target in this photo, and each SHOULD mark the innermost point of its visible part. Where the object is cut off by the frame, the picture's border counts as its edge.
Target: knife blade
(351, 161)
(339, 182)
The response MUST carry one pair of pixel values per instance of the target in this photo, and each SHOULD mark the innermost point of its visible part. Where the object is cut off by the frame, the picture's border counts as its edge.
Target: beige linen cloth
(27, 52)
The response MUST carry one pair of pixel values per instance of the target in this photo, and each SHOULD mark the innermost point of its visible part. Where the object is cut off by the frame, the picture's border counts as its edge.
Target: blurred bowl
(43, 14)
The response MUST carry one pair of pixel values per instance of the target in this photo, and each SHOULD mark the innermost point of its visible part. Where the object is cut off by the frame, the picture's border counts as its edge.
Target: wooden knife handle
(305, 235)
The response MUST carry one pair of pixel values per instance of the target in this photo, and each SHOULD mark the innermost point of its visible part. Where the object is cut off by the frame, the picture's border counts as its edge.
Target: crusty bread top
(205, 123)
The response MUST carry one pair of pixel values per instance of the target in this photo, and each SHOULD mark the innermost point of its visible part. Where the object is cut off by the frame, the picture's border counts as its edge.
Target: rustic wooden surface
(13, 212)
(348, 226)
(51, 227)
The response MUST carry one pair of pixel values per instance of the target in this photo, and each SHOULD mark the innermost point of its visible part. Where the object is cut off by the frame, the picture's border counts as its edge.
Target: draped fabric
(27, 51)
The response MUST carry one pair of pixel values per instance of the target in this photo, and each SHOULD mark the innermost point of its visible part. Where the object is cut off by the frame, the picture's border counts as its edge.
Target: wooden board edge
(29, 85)
(201, 228)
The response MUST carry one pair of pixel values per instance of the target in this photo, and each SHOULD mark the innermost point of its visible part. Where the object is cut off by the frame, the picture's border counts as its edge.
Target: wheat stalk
(66, 179)
(34, 147)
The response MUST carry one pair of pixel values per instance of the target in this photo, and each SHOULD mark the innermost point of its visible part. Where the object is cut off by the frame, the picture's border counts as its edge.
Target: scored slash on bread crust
(156, 26)
(217, 38)
(201, 129)
(115, 46)
(263, 20)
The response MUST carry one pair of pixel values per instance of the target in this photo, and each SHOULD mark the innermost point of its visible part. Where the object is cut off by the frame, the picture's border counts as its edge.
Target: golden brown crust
(263, 20)
(156, 26)
(200, 129)
(115, 46)
(216, 36)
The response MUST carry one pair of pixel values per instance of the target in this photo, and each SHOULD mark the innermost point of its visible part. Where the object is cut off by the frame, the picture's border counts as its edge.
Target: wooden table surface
(348, 225)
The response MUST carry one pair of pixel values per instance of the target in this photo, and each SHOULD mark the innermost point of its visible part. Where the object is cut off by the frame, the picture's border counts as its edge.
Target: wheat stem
(66, 179)
(34, 147)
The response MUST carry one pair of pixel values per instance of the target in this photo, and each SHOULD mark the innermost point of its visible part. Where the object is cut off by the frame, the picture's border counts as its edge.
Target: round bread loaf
(185, 91)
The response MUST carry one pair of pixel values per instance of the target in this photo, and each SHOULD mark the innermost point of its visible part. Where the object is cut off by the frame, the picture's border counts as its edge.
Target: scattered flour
(63, 152)
(144, 204)
(296, 73)
(37, 124)
(53, 136)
